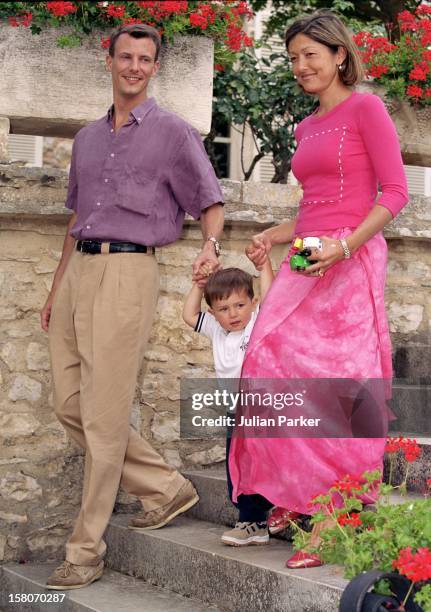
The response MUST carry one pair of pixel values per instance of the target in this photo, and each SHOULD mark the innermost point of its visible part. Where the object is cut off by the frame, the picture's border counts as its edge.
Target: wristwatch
(216, 243)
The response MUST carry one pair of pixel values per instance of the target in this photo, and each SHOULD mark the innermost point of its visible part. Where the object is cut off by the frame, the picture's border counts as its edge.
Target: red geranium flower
(419, 72)
(116, 10)
(393, 445)
(353, 521)
(423, 9)
(378, 70)
(416, 566)
(406, 16)
(347, 484)
(24, 19)
(61, 9)
(411, 448)
(199, 21)
(178, 6)
(104, 42)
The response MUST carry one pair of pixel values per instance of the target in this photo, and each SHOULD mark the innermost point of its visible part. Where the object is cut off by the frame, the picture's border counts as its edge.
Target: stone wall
(42, 95)
(40, 469)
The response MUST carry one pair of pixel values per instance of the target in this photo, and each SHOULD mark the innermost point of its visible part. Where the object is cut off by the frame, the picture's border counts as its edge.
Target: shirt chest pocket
(138, 192)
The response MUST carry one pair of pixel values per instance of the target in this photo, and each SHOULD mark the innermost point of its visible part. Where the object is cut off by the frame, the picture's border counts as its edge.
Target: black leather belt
(94, 247)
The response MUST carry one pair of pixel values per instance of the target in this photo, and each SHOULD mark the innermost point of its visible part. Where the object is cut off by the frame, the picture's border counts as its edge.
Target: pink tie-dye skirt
(333, 326)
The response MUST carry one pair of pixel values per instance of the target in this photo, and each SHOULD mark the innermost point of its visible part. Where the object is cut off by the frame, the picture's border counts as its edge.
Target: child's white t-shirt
(228, 347)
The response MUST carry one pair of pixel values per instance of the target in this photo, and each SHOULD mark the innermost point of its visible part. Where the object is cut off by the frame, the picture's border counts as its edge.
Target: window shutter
(27, 149)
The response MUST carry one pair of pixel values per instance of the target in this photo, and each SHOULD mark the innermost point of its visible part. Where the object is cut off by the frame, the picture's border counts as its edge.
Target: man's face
(234, 312)
(132, 66)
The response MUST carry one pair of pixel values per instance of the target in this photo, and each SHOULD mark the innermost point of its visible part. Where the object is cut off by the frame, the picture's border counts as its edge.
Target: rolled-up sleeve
(72, 190)
(381, 141)
(192, 178)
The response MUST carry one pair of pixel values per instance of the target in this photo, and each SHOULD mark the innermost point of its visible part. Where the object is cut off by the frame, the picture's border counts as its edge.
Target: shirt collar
(138, 113)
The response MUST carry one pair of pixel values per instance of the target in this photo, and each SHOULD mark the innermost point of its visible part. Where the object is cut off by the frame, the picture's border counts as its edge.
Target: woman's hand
(257, 250)
(330, 254)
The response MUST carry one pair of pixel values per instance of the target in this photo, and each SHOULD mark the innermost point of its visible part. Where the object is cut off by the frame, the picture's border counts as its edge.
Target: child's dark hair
(223, 283)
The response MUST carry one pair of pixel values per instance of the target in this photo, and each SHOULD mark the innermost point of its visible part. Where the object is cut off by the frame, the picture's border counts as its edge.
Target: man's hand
(257, 250)
(205, 261)
(45, 313)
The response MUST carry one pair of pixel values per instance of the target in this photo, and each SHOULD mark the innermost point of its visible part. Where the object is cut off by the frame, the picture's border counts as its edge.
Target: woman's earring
(340, 66)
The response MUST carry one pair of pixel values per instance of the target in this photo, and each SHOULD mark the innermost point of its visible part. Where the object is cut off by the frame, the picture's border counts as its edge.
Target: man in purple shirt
(133, 176)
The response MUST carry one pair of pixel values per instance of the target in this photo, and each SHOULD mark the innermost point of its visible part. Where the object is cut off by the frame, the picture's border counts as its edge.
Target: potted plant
(400, 72)
(385, 546)
(45, 90)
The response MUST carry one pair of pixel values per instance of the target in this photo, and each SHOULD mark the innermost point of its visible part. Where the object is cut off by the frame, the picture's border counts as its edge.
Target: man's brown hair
(223, 283)
(138, 30)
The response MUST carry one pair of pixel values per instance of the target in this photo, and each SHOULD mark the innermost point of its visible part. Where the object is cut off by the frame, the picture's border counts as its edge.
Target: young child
(228, 323)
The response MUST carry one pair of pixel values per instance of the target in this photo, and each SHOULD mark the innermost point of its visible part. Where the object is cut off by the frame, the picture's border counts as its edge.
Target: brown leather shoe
(186, 497)
(69, 576)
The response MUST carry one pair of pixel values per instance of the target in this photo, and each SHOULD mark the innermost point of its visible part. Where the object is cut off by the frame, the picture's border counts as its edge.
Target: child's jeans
(252, 508)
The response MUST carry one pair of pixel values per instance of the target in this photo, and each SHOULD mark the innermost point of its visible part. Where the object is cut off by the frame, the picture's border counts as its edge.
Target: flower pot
(46, 90)
(356, 596)
(413, 126)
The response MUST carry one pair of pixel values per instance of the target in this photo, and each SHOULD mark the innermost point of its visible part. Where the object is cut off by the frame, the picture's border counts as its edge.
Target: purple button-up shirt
(137, 184)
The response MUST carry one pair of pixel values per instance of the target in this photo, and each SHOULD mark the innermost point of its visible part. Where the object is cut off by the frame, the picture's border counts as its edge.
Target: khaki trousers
(99, 326)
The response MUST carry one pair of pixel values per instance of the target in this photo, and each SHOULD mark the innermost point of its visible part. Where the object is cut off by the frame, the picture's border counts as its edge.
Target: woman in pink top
(330, 321)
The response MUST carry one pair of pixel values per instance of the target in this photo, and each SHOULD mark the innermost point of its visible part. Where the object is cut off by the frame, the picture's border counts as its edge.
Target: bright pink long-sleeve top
(342, 159)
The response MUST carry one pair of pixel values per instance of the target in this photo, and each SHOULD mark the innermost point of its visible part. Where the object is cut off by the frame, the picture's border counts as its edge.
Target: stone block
(405, 318)
(25, 388)
(20, 487)
(3, 542)
(37, 357)
(10, 517)
(412, 362)
(17, 425)
(165, 427)
(172, 457)
(411, 405)
(8, 354)
(4, 140)
(216, 454)
(41, 95)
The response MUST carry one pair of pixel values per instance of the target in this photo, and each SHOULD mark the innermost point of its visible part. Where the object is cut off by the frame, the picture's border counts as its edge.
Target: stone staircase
(192, 570)
(184, 566)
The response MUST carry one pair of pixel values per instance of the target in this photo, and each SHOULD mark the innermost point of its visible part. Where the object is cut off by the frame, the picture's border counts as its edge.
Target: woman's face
(314, 65)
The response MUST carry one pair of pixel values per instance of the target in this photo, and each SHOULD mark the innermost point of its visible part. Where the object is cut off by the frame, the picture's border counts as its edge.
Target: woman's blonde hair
(326, 28)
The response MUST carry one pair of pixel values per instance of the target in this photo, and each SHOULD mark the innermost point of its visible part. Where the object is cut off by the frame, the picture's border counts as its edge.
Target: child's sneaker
(247, 534)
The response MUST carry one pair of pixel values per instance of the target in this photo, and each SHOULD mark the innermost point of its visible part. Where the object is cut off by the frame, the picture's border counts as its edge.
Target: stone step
(412, 361)
(215, 506)
(411, 404)
(113, 593)
(188, 557)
